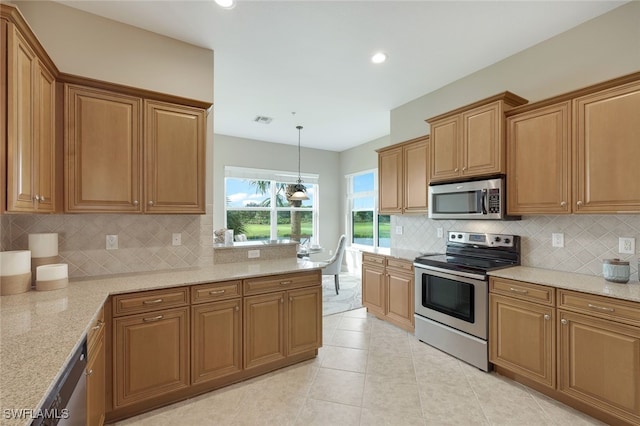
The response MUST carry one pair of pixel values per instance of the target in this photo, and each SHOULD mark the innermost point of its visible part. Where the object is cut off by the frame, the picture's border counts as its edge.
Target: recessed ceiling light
(379, 58)
(226, 4)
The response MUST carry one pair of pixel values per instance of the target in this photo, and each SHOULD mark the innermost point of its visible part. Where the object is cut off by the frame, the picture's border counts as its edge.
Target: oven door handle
(449, 272)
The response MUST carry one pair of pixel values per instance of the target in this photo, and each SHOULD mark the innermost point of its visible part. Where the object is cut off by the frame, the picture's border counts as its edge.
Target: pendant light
(300, 192)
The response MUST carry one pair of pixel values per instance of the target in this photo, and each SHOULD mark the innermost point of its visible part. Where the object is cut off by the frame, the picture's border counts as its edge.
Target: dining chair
(334, 265)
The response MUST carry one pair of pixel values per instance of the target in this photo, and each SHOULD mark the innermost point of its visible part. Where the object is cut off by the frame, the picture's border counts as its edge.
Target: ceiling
(273, 58)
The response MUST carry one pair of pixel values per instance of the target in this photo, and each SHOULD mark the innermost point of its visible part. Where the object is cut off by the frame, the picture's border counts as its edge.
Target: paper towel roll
(43, 245)
(16, 262)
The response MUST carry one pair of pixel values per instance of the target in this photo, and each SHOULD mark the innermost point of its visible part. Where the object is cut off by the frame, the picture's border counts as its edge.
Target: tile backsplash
(588, 239)
(144, 241)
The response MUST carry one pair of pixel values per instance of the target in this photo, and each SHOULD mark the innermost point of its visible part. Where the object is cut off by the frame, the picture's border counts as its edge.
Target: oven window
(451, 297)
(457, 202)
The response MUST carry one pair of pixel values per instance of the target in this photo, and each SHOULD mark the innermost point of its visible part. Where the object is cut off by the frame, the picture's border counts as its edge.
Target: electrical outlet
(176, 239)
(557, 239)
(398, 230)
(112, 242)
(626, 245)
(440, 232)
(252, 254)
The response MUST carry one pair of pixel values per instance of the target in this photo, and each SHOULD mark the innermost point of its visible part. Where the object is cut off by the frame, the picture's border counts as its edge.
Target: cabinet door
(216, 340)
(416, 176)
(45, 153)
(444, 150)
(539, 166)
(21, 150)
(373, 289)
(304, 320)
(96, 381)
(400, 301)
(175, 158)
(482, 147)
(606, 150)
(151, 355)
(600, 364)
(390, 181)
(264, 330)
(522, 338)
(103, 148)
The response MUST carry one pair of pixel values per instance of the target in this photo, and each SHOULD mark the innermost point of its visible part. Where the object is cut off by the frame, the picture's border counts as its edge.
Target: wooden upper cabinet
(402, 177)
(30, 124)
(175, 158)
(470, 141)
(538, 161)
(606, 134)
(390, 181)
(103, 149)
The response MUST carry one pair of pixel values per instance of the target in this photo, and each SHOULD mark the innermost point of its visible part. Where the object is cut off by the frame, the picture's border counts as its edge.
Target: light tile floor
(370, 373)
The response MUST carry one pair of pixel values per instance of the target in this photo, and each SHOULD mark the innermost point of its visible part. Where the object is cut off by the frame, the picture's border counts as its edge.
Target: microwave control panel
(494, 200)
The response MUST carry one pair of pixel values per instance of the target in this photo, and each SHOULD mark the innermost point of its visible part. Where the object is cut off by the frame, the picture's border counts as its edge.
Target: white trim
(264, 174)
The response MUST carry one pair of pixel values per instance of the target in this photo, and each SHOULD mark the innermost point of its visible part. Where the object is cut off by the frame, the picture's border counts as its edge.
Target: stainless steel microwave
(473, 199)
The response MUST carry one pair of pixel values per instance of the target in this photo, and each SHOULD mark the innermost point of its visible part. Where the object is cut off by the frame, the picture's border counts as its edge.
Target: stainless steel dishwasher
(66, 404)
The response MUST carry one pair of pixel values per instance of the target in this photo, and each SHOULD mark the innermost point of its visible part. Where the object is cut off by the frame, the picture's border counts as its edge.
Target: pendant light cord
(299, 129)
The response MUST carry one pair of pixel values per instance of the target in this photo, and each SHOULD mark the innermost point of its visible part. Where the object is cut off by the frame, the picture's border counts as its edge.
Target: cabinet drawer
(216, 291)
(600, 306)
(147, 301)
(281, 282)
(403, 265)
(375, 259)
(96, 326)
(522, 290)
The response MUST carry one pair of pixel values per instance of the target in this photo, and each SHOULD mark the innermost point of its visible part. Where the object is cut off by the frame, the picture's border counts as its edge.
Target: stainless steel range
(452, 293)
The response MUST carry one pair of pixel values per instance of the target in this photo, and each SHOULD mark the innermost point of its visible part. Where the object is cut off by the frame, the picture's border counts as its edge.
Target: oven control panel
(480, 239)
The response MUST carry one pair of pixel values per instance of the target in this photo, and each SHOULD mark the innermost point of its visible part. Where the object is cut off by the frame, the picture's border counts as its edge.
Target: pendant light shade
(300, 192)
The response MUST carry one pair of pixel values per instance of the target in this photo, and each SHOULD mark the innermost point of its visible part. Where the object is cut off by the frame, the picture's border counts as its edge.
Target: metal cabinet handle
(217, 292)
(563, 203)
(601, 308)
(456, 169)
(41, 199)
(135, 202)
(516, 290)
(464, 169)
(290, 298)
(150, 203)
(579, 203)
(152, 302)
(563, 321)
(285, 282)
(237, 308)
(88, 373)
(159, 317)
(547, 317)
(282, 300)
(99, 324)
(36, 197)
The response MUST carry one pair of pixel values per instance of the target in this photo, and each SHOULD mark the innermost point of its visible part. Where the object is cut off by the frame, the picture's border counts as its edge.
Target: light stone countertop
(404, 254)
(40, 330)
(572, 281)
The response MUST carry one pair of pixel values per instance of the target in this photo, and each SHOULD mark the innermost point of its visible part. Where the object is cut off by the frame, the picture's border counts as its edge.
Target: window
(368, 228)
(257, 205)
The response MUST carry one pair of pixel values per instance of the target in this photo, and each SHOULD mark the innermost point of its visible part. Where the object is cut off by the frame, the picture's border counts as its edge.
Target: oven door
(455, 301)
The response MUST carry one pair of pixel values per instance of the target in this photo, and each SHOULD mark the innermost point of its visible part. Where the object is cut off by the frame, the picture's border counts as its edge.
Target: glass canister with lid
(616, 270)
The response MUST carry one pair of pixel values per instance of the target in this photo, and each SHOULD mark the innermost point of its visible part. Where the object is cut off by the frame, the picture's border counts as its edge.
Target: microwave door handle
(483, 201)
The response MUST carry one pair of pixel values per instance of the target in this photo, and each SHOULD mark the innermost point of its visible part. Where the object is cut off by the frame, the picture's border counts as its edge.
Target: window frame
(352, 196)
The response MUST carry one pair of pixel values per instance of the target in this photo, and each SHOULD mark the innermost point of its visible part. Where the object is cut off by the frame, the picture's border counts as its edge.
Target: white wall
(232, 151)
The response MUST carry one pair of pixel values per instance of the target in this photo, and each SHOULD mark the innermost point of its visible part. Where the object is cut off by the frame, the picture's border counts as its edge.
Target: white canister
(616, 270)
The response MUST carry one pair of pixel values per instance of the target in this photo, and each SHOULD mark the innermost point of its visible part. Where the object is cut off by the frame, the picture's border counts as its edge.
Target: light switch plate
(176, 239)
(398, 230)
(252, 254)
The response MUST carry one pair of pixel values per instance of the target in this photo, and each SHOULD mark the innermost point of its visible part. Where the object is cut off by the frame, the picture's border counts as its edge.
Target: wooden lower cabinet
(304, 320)
(388, 289)
(599, 364)
(96, 378)
(522, 338)
(151, 355)
(216, 340)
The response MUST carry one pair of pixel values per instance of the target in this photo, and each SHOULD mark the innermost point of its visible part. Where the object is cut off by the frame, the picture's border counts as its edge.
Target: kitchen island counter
(40, 330)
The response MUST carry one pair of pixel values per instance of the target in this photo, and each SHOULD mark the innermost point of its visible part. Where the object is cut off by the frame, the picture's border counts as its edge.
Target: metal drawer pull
(237, 308)
(159, 317)
(563, 321)
(97, 327)
(152, 302)
(285, 282)
(90, 372)
(217, 291)
(516, 290)
(547, 317)
(602, 308)
(282, 300)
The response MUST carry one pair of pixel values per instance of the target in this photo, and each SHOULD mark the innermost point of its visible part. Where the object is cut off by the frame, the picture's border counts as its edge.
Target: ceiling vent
(262, 119)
